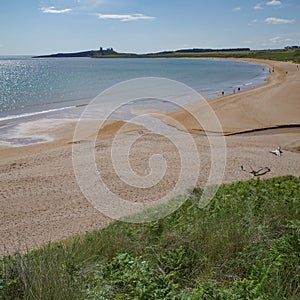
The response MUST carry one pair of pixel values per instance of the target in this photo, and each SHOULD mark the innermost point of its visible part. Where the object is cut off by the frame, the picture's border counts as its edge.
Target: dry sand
(272, 105)
(40, 200)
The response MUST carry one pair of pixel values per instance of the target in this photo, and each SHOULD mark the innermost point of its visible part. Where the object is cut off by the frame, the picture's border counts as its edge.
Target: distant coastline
(287, 54)
(110, 52)
(89, 53)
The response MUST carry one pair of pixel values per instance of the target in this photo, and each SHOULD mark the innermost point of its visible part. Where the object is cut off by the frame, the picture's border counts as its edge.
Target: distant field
(279, 55)
(244, 245)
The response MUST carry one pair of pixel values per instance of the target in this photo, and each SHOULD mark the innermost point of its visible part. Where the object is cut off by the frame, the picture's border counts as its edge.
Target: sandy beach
(40, 200)
(275, 104)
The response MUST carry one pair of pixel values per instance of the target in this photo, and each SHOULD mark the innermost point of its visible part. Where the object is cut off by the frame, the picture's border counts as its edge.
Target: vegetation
(292, 55)
(287, 54)
(279, 55)
(244, 245)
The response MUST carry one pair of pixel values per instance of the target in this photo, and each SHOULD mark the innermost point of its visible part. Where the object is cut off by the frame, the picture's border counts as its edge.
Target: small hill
(91, 53)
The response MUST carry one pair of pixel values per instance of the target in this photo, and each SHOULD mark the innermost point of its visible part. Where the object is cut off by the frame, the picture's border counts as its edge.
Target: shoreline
(44, 109)
(236, 112)
(41, 202)
(36, 119)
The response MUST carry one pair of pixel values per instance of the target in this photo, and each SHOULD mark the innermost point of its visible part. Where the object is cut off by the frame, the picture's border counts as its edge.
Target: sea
(32, 89)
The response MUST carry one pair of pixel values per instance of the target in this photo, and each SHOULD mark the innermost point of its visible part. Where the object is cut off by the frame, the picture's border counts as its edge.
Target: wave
(11, 117)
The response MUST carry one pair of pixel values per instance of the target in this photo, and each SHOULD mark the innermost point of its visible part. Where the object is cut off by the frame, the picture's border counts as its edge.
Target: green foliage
(244, 245)
(127, 277)
(279, 55)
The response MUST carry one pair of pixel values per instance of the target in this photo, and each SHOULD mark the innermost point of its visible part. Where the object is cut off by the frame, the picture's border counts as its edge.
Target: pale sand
(40, 200)
(274, 104)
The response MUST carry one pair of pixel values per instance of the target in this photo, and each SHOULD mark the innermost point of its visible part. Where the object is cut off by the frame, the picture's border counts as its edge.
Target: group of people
(239, 89)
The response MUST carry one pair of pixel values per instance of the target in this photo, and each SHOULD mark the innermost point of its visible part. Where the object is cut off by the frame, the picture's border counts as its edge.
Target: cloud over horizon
(53, 10)
(124, 18)
(275, 39)
(281, 40)
(278, 21)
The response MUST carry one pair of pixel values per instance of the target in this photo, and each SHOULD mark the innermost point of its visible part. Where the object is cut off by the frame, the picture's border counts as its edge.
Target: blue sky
(50, 26)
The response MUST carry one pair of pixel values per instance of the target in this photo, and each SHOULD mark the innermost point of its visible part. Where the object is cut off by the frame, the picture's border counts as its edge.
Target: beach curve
(275, 104)
(38, 207)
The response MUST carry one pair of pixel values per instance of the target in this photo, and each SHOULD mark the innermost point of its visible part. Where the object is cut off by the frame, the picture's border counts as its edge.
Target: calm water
(32, 85)
(36, 93)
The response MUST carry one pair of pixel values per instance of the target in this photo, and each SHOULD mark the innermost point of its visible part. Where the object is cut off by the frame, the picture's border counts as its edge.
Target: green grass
(244, 245)
(277, 55)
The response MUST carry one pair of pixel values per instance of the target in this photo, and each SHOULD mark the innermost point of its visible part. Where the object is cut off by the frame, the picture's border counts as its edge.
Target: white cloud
(53, 10)
(124, 18)
(253, 22)
(275, 39)
(277, 21)
(237, 9)
(274, 3)
(258, 6)
(282, 40)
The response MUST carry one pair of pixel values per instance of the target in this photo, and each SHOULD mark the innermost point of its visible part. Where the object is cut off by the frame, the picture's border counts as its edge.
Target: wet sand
(275, 104)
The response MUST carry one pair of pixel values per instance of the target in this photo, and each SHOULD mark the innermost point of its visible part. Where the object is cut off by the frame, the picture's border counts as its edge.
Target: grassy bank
(278, 55)
(244, 245)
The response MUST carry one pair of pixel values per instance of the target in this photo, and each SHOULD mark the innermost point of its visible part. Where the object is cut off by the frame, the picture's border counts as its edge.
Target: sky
(33, 27)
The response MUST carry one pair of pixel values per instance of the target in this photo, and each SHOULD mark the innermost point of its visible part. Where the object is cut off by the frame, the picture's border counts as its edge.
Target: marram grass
(244, 245)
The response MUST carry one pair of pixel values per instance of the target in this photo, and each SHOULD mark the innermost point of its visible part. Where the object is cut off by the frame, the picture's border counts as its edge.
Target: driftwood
(258, 172)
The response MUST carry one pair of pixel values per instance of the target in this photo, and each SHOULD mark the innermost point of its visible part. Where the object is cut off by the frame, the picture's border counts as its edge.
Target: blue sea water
(30, 85)
(38, 88)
